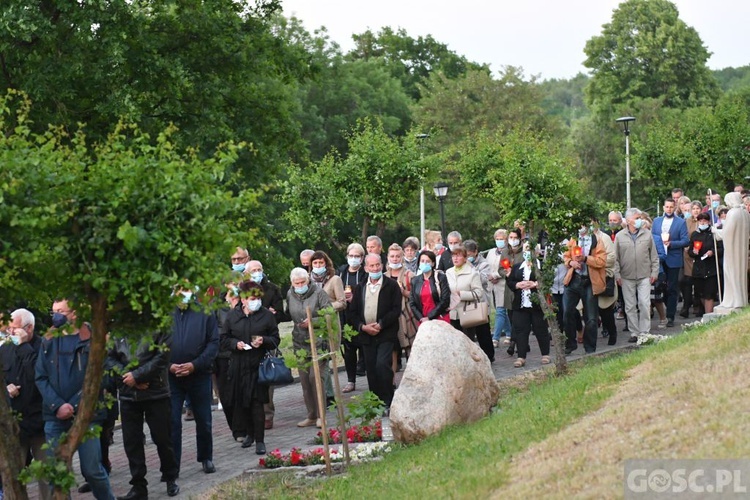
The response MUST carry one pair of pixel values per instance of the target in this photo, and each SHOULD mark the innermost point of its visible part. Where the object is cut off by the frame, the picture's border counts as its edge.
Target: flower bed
(354, 434)
(298, 458)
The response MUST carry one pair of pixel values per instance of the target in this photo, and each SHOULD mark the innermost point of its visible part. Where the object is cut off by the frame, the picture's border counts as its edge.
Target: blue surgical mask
(472, 259)
(714, 204)
(638, 223)
(500, 243)
(238, 267)
(15, 339)
(703, 227)
(254, 304)
(301, 290)
(257, 277)
(527, 255)
(438, 247)
(186, 296)
(320, 271)
(425, 267)
(376, 276)
(59, 319)
(354, 261)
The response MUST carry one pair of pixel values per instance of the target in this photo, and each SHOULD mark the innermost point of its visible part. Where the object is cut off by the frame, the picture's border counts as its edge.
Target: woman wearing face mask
(249, 332)
(703, 253)
(352, 274)
(433, 241)
(514, 253)
(496, 278)
(411, 249)
(430, 296)
(303, 295)
(527, 314)
(686, 281)
(407, 322)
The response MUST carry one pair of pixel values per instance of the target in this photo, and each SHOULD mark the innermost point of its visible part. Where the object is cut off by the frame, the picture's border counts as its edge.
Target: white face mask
(253, 305)
(514, 243)
(396, 266)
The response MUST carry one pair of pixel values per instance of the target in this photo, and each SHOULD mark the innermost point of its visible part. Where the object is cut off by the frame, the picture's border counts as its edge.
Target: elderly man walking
(636, 269)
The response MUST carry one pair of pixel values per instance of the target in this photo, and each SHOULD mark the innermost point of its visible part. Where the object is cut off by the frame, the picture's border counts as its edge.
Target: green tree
(214, 69)
(474, 102)
(411, 60)
(116, 224)
(369, 187)
(647, 51)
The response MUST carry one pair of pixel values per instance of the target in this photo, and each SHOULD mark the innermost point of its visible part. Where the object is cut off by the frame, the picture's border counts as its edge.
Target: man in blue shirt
(671, 237)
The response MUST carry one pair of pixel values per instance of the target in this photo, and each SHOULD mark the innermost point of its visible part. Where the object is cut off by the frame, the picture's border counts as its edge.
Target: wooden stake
(320, 393)
(337, 389)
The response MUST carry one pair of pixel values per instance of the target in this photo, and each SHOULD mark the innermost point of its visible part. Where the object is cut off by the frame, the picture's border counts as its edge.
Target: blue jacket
(195, 339)
(678, 238)
(60, 368)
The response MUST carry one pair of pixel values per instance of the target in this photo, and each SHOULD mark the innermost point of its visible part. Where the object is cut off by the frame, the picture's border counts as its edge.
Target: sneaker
(308, 422)
(506, 340)
(189, 416)
(662, 324)
(670, 323)
(495, 343)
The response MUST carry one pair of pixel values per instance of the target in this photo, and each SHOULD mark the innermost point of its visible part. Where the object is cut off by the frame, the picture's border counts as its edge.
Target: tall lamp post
(421, 138)
(441, 192)
(625, 120)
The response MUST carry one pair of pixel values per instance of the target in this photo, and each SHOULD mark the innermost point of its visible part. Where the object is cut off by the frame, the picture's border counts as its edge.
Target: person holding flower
(704, 251)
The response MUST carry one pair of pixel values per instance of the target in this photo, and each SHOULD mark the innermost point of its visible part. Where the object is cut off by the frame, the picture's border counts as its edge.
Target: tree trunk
(365, 230)
(10, 450)
(91, 384)
(380, 231)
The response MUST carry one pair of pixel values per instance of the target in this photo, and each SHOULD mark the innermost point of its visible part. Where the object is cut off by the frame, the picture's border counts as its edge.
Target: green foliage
(476, 102)
(697, 148)
(564, 98)
(369, 187)
(51, 469)
(733, 79)
(365, 408)
(647, 51)
(411, 60)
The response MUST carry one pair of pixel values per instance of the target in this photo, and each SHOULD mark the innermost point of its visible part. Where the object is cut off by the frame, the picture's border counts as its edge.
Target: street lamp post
(441, 192)
(421, 138)
(625, 120)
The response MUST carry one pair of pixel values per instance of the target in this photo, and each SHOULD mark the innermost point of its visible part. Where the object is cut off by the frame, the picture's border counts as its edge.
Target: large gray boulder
(447, 381)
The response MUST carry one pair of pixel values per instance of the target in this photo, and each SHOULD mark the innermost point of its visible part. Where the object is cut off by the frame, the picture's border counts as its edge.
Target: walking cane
(716, 249)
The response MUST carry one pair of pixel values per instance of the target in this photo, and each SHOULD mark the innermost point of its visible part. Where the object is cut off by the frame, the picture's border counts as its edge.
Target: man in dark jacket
(374, 312)
(143, 385)
(195, 344)
(60, 369)
(17, 358)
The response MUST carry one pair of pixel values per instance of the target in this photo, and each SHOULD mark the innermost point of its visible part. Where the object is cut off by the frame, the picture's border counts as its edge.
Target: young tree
(116, 224)
(647, 51)
(371, 186)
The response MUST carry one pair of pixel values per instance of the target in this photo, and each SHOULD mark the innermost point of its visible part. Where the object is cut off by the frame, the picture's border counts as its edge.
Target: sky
(545, 37)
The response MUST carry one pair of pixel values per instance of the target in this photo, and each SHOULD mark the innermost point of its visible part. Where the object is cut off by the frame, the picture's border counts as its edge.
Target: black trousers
(378, 363)
(525, 320)
(350, 360)
(251, 420)
(609, 324)
(158, 416)
(221, 366)
(481, 334)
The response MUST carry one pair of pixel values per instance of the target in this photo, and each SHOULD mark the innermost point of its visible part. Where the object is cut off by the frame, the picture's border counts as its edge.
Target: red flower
(262, 462)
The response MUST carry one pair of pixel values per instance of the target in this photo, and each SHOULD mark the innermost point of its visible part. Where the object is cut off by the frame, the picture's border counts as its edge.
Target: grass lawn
(563, 437)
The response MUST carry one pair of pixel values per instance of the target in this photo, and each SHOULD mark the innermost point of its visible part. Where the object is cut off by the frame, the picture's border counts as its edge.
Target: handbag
(273, 370)
(473, 313)
(609, 287)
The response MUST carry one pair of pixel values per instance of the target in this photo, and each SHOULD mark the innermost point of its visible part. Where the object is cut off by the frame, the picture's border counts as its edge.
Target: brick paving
(231, 460)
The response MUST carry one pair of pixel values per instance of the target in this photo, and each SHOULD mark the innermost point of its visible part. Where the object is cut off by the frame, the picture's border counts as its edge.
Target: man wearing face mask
(249, 332)
(195, 344)
(239, 260)
(274, 302)
(305, 257)
(60, 370)
(446, 258)
(411, 250)
(636, 269)
(671, 237)
(586, 261)
(374, 312)
(18, 358)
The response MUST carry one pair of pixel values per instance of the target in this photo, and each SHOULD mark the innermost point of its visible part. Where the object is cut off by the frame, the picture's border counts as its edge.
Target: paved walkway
(231, 460)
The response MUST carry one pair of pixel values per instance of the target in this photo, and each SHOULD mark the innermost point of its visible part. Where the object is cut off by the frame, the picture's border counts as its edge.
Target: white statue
(735, 233)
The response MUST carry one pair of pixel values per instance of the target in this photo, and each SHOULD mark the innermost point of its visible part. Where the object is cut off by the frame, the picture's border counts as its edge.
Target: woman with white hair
(302, 295)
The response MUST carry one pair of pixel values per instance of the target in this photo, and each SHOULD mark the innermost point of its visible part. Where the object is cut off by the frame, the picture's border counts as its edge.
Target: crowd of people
(624, 268)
